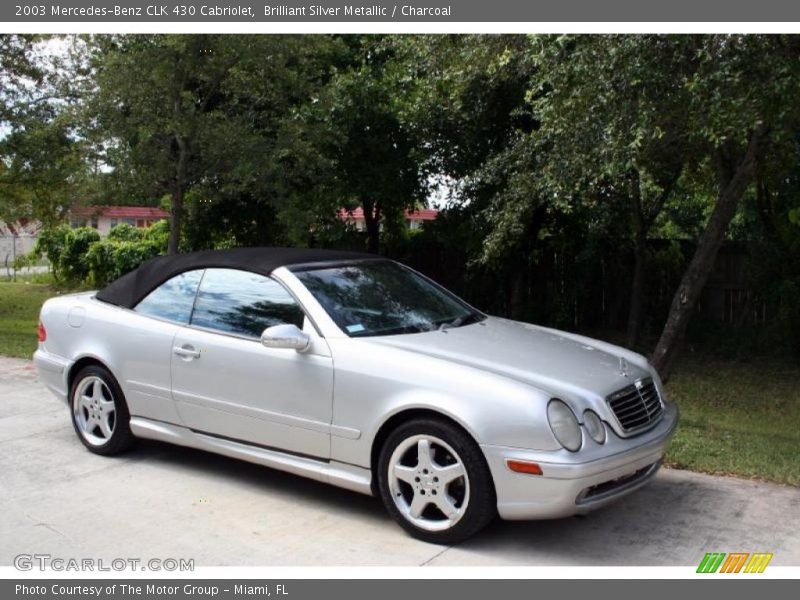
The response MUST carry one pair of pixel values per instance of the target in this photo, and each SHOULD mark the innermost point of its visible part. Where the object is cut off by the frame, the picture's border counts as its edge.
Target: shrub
(125, 233)
(50, 243)
(72, 262)
(81, 256)
(123, 250)
(158, 233)
(100, 260)
(129, 255)
(22, 261)
(109, 259)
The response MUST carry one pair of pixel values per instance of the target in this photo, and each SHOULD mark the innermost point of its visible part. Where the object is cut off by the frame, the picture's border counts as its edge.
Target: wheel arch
(81, 363)
(396, 420)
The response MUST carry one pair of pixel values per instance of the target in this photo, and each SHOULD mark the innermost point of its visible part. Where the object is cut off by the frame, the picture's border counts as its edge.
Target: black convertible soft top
(132, 287)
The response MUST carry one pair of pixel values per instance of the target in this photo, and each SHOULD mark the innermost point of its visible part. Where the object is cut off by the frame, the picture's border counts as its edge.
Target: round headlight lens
(594, 426)
(564, 425)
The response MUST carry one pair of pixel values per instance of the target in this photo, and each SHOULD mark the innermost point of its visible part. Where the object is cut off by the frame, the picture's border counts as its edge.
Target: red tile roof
(423, 214)
(121, 212)
(22, 227)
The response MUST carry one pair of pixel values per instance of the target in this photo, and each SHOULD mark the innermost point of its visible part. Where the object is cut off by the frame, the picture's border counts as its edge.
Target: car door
(226, 383)
(143, 342)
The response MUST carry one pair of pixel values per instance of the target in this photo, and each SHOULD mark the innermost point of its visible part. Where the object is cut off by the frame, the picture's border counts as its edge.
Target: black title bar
(191, 11)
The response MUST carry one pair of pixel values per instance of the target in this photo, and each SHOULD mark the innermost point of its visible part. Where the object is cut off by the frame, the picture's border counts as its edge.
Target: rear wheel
(434, 481)
(99, 412)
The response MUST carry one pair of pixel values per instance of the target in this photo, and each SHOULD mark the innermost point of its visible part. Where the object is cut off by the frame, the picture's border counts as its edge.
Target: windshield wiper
(448, 324)
(459, 321)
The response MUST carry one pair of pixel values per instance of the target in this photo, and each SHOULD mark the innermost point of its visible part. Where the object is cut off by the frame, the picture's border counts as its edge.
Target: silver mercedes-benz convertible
(360, 372)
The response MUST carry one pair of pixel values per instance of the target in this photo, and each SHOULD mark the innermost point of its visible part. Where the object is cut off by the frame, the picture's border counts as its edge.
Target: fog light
(594, 426)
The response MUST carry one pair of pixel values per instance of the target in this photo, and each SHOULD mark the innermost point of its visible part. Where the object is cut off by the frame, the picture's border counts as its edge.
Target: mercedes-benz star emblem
(624, 370)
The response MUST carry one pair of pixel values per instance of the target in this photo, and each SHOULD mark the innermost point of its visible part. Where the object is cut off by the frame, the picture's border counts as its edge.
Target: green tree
(742, 109)
(269, 181)
(17, 69)
(615, 130)
(155, 99)
(374, 151)
(470, 108)
(41, 164)
(201, 117)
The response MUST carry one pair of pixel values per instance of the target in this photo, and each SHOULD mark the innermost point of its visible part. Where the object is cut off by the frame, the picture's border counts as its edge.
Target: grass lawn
(19, 315)
(737, 418)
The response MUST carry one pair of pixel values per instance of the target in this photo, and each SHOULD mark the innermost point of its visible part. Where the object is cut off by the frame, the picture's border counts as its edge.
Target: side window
(173, 299)
(243, 303)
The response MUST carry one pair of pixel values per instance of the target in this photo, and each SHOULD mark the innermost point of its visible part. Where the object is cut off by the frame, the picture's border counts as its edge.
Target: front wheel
(99, 412)
(434, 481)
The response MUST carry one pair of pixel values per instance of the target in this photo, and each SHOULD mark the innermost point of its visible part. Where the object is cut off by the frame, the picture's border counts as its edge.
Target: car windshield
(384, 298)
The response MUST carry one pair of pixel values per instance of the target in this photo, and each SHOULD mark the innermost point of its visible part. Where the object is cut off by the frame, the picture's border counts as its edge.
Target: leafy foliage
(42, 164)
(125, 233)
(81, 257)
(72, 262)
(51, 242)
(569, 162)
(205, 118)
(109, 259)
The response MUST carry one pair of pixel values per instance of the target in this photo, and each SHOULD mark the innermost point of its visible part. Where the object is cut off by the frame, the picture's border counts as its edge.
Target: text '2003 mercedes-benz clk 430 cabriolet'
(360, 372)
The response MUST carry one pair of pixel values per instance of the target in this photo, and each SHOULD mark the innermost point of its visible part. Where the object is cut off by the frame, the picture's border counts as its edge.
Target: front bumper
(578, 482)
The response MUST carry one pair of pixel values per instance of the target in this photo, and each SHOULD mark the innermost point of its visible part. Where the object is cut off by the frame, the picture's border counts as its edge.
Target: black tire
(481, 508)
(121, 438)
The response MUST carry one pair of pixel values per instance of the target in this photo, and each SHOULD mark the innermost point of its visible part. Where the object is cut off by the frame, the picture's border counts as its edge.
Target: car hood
(557, 362)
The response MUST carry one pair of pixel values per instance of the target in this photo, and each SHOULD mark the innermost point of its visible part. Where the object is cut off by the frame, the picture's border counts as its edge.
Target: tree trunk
(637, 290)
(372, 221)
(175, 221)
(519, 285)
(178, 192)
(699, 269)
(639, 250)
(643, 219)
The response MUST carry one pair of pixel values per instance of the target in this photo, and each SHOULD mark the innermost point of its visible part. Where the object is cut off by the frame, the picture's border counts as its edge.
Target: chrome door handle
(186, 352)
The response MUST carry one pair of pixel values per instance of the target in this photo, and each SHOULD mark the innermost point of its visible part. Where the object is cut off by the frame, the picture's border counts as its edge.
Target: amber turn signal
(519, 466)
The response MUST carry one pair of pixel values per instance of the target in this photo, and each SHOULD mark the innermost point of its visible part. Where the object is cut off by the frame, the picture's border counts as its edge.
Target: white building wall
(103, 226)
(23, 244)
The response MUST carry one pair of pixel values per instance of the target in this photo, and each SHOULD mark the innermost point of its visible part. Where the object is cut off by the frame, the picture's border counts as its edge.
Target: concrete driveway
(161, 501)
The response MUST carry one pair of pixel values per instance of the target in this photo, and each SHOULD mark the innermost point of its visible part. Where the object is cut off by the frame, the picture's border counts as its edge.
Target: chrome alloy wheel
(94, 410)
(428, 482)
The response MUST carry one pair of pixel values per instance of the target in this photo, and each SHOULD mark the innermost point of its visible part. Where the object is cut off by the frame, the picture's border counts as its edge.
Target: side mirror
(285, 336)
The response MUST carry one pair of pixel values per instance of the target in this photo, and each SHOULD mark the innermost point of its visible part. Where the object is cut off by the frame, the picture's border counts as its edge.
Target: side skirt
(342, 475)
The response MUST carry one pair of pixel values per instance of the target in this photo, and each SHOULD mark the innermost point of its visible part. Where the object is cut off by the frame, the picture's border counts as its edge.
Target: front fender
(375, 383)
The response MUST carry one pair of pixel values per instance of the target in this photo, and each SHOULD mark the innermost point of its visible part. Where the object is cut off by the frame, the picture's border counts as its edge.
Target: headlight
(564, 425)
(594, 426)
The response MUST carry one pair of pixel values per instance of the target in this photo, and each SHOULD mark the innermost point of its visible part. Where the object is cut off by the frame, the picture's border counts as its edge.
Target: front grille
(636, 406)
